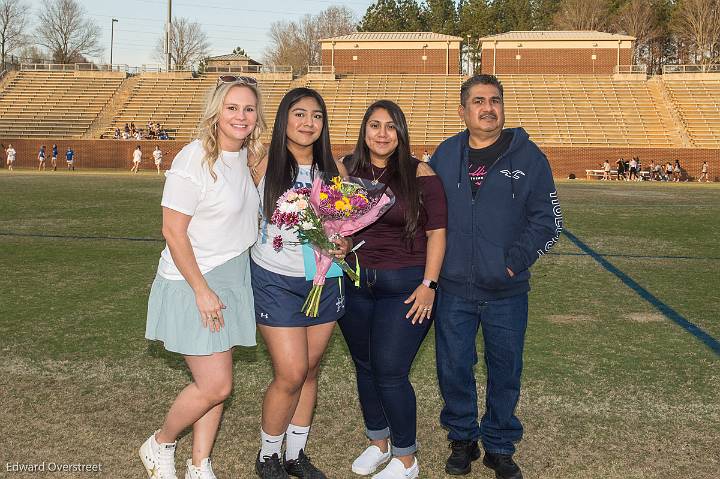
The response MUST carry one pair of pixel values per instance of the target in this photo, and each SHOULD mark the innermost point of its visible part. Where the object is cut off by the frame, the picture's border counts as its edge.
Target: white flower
(288, 208)
(307, 225)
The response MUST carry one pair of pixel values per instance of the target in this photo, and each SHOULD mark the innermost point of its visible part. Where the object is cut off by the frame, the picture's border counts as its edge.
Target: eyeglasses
(234, 79)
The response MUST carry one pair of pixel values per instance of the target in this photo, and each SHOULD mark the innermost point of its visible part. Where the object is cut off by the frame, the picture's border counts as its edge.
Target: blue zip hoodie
(512, 220)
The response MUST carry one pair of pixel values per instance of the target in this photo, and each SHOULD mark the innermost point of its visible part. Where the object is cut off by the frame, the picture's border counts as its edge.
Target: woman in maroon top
(387, 318)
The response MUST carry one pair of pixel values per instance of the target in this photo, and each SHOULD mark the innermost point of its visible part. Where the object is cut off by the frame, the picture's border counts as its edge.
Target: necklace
(375, 180)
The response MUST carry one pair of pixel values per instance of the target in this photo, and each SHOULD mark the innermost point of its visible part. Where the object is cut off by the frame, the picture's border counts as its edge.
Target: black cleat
(462, 456)
(271, 468)
(302, 467)
(503, 465)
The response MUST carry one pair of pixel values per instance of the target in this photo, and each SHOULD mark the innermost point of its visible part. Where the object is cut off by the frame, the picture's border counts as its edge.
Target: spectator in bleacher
(157, 157)
(668, 171)
(426, 157)
(117, 134)
(703, 173)
(299, 152)
(139, 135)
(70, 159)
(606, 170)
(201, 303)
(389, 315)
(132, 129)
(41, 158)
(620, 164)
(11, 153)
(127, 129)
(499, 224)
(126, 135)
(633, 170)
(163, 135)
(137, 158)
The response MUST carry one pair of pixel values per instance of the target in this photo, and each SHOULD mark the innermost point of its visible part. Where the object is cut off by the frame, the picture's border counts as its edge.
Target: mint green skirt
(174, 319)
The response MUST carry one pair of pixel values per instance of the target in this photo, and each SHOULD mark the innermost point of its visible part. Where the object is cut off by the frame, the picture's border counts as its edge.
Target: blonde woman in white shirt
(137, 158)
(10, 152)
(201, 302)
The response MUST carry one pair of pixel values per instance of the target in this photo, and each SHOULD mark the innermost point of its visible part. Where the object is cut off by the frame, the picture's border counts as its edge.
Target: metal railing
(101, 68)
(158, 68)
(249, 69)
(55, 67)
(669, 69)
(321, 69)
(631, 69)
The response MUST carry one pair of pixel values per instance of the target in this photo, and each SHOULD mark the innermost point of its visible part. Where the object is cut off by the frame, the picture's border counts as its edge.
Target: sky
(228, 24)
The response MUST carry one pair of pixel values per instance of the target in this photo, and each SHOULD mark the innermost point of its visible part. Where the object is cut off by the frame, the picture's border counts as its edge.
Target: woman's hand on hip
(210, 307)
(422, 299)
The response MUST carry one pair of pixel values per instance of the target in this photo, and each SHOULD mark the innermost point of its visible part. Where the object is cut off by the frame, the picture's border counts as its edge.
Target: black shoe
(463, 453)
(271, 468)
(503, 465)
(302, 467)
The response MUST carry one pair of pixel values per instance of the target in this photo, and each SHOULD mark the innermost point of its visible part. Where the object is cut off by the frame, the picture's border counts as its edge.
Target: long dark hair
(282, 168)
(401, 166)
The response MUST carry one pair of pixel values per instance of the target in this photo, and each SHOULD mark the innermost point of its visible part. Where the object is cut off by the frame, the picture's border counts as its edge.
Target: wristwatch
(430, 283)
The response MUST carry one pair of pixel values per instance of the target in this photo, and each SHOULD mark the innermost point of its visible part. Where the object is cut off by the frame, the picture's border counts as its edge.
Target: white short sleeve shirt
(224, 212)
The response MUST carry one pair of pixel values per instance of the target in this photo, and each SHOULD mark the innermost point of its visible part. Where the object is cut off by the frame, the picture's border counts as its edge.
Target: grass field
(613, 387)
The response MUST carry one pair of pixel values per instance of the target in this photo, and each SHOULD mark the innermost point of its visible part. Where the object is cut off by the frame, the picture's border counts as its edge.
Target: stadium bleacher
(698, 104)
(53, 104)
(176, 103)
(588, 110)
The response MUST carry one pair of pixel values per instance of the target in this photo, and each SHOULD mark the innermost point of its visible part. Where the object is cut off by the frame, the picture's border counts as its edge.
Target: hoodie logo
(515, 174)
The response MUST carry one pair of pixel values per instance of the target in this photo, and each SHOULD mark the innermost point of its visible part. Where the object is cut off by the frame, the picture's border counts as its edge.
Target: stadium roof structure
(556, 35)
(393, 37)
(233, 57)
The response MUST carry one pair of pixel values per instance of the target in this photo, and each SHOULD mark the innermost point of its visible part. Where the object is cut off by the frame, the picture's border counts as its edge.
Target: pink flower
(277, 243)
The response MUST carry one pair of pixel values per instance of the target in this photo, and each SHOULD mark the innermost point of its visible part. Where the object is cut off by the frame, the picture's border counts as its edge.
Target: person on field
(503, 214)
(704, 172)
(70, 159)
(137, 158)
(41, 158)
(11, 154)
(157, 158)
(201, 303)
(54, 157)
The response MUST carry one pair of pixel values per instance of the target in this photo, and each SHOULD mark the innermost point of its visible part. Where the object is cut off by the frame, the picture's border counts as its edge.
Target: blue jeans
(503, 323)
(383, 345)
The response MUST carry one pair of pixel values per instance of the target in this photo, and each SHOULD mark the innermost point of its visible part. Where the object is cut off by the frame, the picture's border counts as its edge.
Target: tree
(66, 32)
(188, 44)
(512, 15)
(382, 16)
(297, 43)
(638, 18)
(582, 15)
(697, 25)
(239, 51)
(543, 13)
(441, 17)
(412, 15)
(13, 23)
(475, 19)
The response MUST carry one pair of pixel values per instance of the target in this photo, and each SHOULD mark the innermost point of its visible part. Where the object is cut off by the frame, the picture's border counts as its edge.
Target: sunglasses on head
(235, 79)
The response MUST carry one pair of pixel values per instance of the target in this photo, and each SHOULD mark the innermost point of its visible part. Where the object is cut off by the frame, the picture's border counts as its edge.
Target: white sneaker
(396, 470)
(159, 459)
(203, 472)
(371, 458)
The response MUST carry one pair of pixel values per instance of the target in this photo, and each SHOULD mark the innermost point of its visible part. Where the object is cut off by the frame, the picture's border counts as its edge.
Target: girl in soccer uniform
(11, 153)
(299, 152)
(201, 303)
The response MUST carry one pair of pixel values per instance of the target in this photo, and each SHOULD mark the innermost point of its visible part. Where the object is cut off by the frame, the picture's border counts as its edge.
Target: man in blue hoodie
(503, 215)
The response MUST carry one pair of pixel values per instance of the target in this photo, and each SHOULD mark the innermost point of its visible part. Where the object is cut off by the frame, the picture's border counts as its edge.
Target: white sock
(270, 445)
(296, 440)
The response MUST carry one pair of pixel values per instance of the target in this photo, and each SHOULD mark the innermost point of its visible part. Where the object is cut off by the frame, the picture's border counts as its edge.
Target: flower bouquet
(326, 212)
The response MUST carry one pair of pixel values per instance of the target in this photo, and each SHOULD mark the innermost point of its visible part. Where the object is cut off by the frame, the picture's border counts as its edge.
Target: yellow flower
(337, 182)
(340, 205)
(323, 196)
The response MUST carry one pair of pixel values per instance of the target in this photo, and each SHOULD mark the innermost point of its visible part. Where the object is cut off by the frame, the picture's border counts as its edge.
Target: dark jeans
(503, 323)
(383, 345)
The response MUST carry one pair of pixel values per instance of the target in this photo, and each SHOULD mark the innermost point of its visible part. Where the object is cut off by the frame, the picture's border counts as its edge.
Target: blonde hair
(207, 129)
